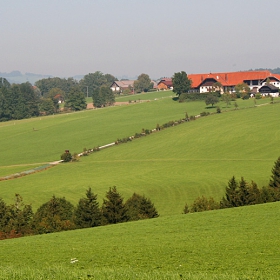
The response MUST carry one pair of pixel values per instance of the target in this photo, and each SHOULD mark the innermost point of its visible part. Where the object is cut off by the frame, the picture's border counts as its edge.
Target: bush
(218, 110)
(66, 156)
(204, 204)
(258, 96)
(203, 114)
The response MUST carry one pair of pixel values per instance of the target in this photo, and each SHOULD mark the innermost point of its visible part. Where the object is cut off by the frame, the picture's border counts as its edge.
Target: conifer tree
(113, 209)
(87, 213)
(254, 195)
(232, 198)
(139, 207)
(275, 177)
(243, 193)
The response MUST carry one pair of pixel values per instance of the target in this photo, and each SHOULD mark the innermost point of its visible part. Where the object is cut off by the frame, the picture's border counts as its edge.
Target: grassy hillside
(43, 139)
(171, 167)
(239, 243)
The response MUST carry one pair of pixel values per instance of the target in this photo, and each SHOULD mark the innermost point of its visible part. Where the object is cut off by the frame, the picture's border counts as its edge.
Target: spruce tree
(243, 193)
(231, 198)
(275, 177)
(87, 213)
(254, 196)
(113, 209)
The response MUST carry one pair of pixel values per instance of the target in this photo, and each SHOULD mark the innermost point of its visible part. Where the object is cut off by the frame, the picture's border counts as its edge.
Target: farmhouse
(258, 81)
(165, 84)
(227, 81)
(120, 86)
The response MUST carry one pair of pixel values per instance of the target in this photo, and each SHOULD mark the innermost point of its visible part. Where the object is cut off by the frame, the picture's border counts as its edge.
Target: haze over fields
(127, 38)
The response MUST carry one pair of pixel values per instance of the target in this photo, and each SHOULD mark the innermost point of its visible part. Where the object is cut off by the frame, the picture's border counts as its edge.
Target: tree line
(241, 193)
(58, 214)
(19, 101)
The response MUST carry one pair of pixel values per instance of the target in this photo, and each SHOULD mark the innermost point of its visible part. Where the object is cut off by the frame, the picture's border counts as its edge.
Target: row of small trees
(241, 193)
(58, 214)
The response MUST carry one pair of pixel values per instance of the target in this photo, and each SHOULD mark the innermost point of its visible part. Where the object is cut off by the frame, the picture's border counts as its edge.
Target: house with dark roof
(165, 84)
(269, 89)
(226, 82)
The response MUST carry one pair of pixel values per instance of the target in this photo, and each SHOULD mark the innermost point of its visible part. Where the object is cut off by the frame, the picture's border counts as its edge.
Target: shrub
(218, 110)
(258, 96)
(204, 204)
(66, 156)
(186, 209)
(203, 114)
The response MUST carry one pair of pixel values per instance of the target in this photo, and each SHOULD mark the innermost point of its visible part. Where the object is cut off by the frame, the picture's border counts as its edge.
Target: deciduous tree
(93, 81)
(55, 215)
(242, 89)
(139, 207)
(103, 97)
(181, 83)
(76, 100)
(143, 83)
(211, 99)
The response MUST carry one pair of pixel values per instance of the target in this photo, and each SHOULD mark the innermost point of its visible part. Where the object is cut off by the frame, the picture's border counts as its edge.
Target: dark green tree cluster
(143, 83)
(58, 214)
(181, 83)
(241, 193)
(46, 85)
(17, 101)
(103, 97)
(76, 100)
(15, 219)
(92, 82)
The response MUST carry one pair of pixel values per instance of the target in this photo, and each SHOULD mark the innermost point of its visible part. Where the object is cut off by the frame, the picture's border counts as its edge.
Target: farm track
(52, 164)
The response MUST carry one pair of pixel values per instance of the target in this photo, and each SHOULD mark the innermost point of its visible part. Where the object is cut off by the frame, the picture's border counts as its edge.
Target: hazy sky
(130, 37)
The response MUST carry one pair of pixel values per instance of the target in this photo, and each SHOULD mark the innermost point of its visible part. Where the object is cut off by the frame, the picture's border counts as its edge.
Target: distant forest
(274, 71)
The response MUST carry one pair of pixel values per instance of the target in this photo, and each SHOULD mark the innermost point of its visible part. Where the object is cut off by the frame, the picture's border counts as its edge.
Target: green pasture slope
(171, 167)
(238, 243)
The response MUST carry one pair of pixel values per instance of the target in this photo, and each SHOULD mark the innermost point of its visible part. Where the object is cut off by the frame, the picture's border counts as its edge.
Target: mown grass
(171, 167)
(239, 243)
(43, 139)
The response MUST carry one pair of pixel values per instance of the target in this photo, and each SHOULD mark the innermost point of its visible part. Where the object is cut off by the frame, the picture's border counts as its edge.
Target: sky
(65, 38)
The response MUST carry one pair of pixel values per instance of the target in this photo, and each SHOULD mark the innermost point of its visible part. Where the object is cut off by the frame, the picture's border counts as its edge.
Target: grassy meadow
(238, 243)
(171, 167)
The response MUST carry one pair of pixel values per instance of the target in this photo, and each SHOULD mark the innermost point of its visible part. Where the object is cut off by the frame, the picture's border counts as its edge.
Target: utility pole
(87, 90)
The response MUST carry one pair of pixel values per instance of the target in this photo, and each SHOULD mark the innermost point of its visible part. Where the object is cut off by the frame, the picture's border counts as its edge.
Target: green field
(239, 243)
(171, 167)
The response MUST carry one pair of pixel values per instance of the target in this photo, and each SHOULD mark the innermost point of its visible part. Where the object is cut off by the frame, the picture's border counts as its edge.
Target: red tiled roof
(230, 78)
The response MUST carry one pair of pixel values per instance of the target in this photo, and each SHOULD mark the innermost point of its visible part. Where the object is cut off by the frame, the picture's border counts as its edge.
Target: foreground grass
(239, 243)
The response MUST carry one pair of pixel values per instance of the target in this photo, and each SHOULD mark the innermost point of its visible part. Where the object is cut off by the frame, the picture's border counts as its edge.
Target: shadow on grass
(210, 107)
(176, 98)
